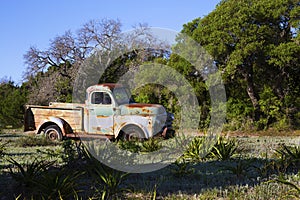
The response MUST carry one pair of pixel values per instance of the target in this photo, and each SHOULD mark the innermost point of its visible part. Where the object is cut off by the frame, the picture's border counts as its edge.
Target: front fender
(126, 124)
(61, 123)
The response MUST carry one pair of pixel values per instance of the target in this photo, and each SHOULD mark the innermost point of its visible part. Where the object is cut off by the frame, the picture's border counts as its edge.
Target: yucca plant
(293, 193)
(132, 146)
(240, 168)
(224, 149)
(291, 154)
(2, 148)
(267, 167)
(195, 150)
(182, 168)
(108, 181)
(28, 173)
(151, 145)
(58, 184)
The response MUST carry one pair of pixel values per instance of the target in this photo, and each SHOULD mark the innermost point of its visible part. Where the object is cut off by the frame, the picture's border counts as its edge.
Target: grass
(252, 170)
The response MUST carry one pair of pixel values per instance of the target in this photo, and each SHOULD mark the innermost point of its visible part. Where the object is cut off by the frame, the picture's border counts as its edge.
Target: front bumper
(168, 133)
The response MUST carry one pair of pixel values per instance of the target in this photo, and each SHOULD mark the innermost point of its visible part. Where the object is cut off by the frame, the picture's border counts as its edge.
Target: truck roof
(109, 86)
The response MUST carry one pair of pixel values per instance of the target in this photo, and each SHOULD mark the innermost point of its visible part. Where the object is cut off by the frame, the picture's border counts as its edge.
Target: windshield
(122, 96)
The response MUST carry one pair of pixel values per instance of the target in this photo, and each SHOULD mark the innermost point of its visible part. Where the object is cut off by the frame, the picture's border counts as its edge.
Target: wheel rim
(133, 134)
(52, 134)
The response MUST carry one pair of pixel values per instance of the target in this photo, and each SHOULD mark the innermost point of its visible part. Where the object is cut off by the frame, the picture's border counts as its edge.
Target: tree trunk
(253, 96)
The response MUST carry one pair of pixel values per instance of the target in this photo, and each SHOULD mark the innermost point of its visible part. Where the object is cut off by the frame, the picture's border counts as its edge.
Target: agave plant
(58, 184)
(294, 192)
(27, 174)
(182, 168)
(132, 146)
(240, 168)
(108, 181)
(151, 145)
(289, 153)
(2, 148)
(224, 149)
(195, 151)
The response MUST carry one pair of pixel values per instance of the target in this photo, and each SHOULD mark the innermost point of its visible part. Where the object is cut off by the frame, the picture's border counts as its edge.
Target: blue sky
(35, 22)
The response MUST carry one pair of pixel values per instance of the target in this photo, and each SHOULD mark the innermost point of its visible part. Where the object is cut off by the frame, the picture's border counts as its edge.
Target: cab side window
(100, 98)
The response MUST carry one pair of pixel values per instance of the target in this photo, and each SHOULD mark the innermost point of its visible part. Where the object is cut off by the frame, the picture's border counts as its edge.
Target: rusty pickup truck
(108, 112)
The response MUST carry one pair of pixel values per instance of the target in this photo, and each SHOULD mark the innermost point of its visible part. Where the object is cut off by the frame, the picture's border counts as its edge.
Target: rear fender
(61, 123)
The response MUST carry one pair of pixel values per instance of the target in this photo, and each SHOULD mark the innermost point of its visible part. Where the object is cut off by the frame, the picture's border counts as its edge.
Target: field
(238, 167)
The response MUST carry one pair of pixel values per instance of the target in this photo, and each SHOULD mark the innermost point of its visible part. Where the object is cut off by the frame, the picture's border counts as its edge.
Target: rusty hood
(142, 109)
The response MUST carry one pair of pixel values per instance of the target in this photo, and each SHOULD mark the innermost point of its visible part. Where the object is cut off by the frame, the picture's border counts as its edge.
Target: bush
(30, 141)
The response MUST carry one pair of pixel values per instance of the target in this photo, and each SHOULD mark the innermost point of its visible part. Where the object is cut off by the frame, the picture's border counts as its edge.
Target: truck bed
(72, 113)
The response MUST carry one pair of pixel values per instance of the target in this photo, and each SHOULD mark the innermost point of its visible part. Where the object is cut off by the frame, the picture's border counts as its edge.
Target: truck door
(101, 114)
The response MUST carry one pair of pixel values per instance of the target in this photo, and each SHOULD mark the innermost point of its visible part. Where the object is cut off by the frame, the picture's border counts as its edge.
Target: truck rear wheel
(132, 133)
(53, 133)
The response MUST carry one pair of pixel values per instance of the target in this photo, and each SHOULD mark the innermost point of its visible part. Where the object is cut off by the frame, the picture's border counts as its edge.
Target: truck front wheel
(132, 133)
(53, 133)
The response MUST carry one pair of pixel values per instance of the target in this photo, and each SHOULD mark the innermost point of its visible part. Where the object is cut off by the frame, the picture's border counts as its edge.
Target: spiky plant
(195, 151)
(151, 145)
(27, 174)
(182, 168)
(58, 184)
(289, 153)
(107, 180)
(224, 149)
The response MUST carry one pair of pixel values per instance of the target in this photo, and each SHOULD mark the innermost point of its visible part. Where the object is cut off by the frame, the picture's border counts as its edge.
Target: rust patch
(110, 85)
(146, 110)
(144, 115)
(102, 116)
(141, 105)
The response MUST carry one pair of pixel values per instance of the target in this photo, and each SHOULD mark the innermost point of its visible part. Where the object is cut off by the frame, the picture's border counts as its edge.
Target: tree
(12, 100)
(52, 72)
(255, 43)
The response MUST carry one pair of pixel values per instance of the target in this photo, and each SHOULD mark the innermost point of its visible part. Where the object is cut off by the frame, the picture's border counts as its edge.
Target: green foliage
(195, 151)
(2, 148)
(291, 154)
(64, 90)
(132, 146)
(73, 151)
(256, 46)
(12, 100)
(36, 180)
(224, 149)
(151, 145)
(58, 184)
(270, 105)
(240, 168)
(294, 192)
(30, 141)
(26, 175)
(238, 115)
(108, 181)
(182, 168)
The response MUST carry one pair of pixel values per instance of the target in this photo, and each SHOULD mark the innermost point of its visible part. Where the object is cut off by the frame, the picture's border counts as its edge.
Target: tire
(133, 133)
(53, 133)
